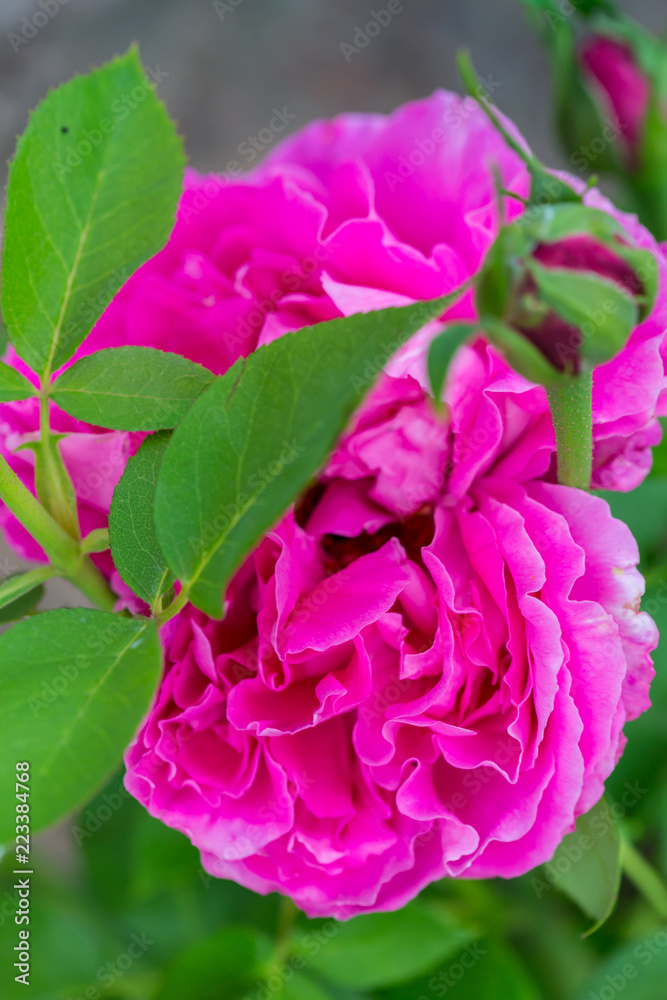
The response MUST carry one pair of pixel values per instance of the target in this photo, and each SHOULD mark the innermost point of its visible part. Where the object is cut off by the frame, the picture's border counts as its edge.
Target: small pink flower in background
(623, 86)
(424, 669)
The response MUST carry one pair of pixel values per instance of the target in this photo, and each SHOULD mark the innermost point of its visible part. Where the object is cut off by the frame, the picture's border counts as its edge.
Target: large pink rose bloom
(405, 686)
(425, 668)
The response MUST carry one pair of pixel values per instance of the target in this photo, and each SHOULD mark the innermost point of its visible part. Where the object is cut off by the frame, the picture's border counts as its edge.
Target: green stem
(571, 405)
(176, 605)
(16, 586)
(60, 547)
(644, 877)
(52, 480)
(90, 582)
(286, 917)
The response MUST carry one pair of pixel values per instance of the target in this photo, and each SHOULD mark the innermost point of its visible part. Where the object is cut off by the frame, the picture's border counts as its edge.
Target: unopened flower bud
(569, 285)
(623, 89)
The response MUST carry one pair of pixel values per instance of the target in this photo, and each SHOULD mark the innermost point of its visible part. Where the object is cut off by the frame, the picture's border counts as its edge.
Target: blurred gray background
(224, 66)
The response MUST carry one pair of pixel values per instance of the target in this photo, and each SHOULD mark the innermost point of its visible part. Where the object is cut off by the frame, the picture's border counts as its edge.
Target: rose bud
(622, 86)
(563, 293)
(611, 101)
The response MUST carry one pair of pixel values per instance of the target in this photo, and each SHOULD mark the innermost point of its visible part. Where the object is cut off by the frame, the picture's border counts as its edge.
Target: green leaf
(602, 309)
(163, 858)
(637, 971)
(586, 865)
(67, 933)
(442, 350)
(300, 987)
(134, 545)
(149, 877)
(23, 592)
(131, 388)
(92, 193)
(225, 965)
(75, 684)
(253, 441)
(485, 969)
(104, 832)
(380, 949)
(13, 385)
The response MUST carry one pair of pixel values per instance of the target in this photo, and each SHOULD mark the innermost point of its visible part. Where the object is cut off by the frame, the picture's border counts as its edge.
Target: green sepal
(501, 270)
(520, 353)
(645, 266)
(601, 309)
(547, 189)
(558, 222)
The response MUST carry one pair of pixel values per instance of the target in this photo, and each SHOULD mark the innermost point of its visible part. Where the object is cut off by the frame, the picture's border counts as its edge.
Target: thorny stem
(571, 405)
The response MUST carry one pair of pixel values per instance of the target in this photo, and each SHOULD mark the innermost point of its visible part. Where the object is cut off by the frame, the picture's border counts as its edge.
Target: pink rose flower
(425, 668)
(395, 697)
(624, 88)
